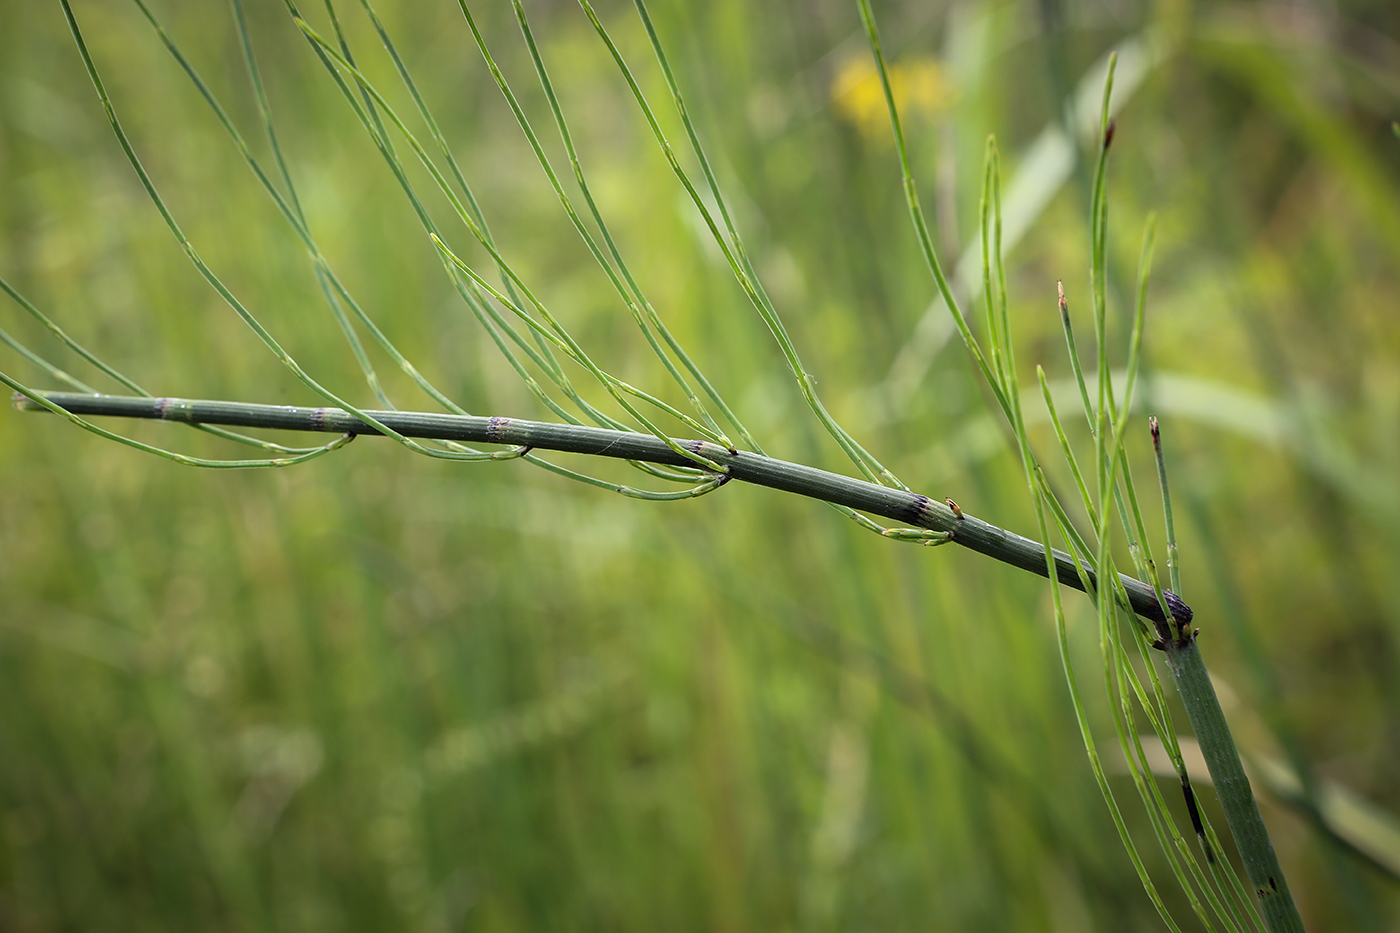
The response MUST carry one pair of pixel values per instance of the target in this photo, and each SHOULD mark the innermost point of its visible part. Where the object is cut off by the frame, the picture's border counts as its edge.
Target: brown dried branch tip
(1064, 305)
(1185, 633)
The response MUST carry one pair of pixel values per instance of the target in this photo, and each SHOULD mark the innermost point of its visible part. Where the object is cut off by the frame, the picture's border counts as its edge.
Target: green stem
(1241, 812)
(895, 504)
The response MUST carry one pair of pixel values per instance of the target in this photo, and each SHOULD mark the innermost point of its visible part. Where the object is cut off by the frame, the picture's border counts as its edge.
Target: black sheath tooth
(918, 510)
(1181, 612)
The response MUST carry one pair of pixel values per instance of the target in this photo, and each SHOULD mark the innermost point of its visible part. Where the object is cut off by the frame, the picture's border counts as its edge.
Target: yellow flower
(920, 89)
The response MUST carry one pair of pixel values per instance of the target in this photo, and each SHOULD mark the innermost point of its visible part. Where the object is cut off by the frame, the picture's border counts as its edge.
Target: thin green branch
(916, 214)
(732, 247)
(554, 331)
(207, 273)
(643, 312)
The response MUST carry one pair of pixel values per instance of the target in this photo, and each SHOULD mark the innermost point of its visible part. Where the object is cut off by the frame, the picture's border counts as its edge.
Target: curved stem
(899, 505)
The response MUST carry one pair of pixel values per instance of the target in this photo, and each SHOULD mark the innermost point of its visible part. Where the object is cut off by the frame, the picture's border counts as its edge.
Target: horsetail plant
(1137, 615)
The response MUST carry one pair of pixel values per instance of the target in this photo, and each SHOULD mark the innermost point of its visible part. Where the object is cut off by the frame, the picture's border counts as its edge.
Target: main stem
(897, 505)
(1236, 799)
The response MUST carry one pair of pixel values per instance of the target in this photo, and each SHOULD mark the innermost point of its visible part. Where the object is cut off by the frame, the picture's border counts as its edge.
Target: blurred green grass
(378, 691)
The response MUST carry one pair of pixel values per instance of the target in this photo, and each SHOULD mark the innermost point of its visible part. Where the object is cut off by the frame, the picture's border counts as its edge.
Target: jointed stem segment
(934, 522)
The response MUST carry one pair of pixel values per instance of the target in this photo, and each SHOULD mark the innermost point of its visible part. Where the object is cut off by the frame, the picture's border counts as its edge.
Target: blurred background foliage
(383, 692)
